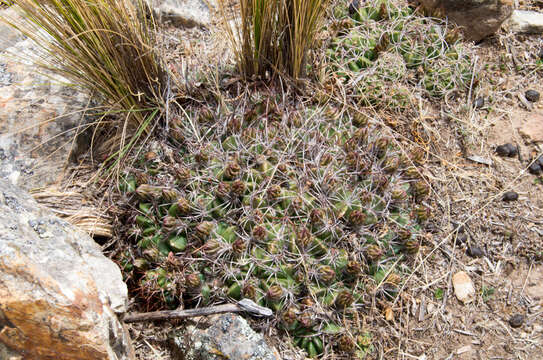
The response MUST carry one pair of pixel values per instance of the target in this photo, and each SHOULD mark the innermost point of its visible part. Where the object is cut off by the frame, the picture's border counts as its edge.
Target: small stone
(462, 238)
(540, 160)
(535, 168)
(516, 321)
(353, 7)
(532, 95)
(474, 251)
(510, 196)
(507, 150)
(463, 287)
(479, 102)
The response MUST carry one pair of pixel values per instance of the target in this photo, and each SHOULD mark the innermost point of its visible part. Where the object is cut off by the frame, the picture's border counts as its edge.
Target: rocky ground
(478, 226)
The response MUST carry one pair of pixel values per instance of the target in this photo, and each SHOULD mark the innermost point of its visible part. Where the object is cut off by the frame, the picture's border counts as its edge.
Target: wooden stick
(244, 305)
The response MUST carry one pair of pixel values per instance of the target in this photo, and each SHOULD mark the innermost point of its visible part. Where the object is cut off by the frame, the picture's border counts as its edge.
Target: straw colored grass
(107, 49)
(271, 37)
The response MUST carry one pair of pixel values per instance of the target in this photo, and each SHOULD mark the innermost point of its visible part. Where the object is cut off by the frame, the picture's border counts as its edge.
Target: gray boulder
(226, 336)
(477, 18)
(60, 294)
(183, 13)
(527, 22)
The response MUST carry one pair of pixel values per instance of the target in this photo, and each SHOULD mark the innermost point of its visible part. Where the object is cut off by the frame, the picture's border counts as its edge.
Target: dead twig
(244, 305)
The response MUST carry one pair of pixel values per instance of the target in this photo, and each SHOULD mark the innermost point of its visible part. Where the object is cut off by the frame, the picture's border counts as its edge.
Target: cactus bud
(397, 195)
(238, 188)
(357, 217)
(142, 178)
(353, 269)
(238, 246)
(359, 119)
(169, 223)
(374, 252)
(306, 320)
(223, 190)
(411, 246)
(259, 233)
(203, 229)
(304, 238)
(316, 216)
(403, 234)
(206, 115)
(418, 156)
(307, 302)
(422, 213)
(274, 293)
(193, 281)
(182, 174)
(170, 195)
(149, 192)
(234, 125)
(344, 299)
(273, 192)
(326, 274)
(248, 291)
(211, 247)
(202, 156)
(412, 173)
(232, 170)
(391, 164)
(326, 159)
(346, 344)
(289, 316)
(420, 190)
(380, 147)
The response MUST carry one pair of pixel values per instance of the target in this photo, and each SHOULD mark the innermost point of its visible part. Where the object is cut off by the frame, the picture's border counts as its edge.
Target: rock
(227, 336)
(463, 287)
(60, 294)
(532, 95)
(479, 103)
(510, 196)
(507, 150)
(477, 18)
(527, 22)
(535, 168)
(516, 321)
(33, 149)
(531, 127)
(353, 7)
(8, 35)
(183, 13)
(475, 251)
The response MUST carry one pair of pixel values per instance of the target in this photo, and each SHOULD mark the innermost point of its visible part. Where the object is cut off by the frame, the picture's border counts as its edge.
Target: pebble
(516, 320)
(540, 160)
(510, 196)
(479, 102)
(535, 168)
(474, 251)
(463, 287)
(353, 7)
(532, 95)
(508, 150)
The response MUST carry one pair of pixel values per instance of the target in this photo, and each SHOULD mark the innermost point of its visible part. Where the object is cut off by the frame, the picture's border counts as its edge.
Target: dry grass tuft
(273, 37)
(106, 48)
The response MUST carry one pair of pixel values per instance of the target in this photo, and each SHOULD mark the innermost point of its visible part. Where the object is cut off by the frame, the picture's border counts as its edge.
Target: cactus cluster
(382, 50)
(298, 210)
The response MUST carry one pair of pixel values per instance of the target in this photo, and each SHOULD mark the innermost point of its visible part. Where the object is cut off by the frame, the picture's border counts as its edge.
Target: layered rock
(59, 293)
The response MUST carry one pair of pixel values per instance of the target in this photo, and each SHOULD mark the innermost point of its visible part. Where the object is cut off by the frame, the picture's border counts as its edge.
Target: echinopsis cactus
(299, 216)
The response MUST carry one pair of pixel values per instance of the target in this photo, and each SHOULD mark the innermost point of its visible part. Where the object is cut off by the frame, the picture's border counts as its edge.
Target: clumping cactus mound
(384, 51)
(303, 211)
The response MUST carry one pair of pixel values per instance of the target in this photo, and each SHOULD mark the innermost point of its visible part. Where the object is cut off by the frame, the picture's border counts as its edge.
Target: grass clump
(383, 52)
(106, 48)
(309, 212)
(273, 36)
